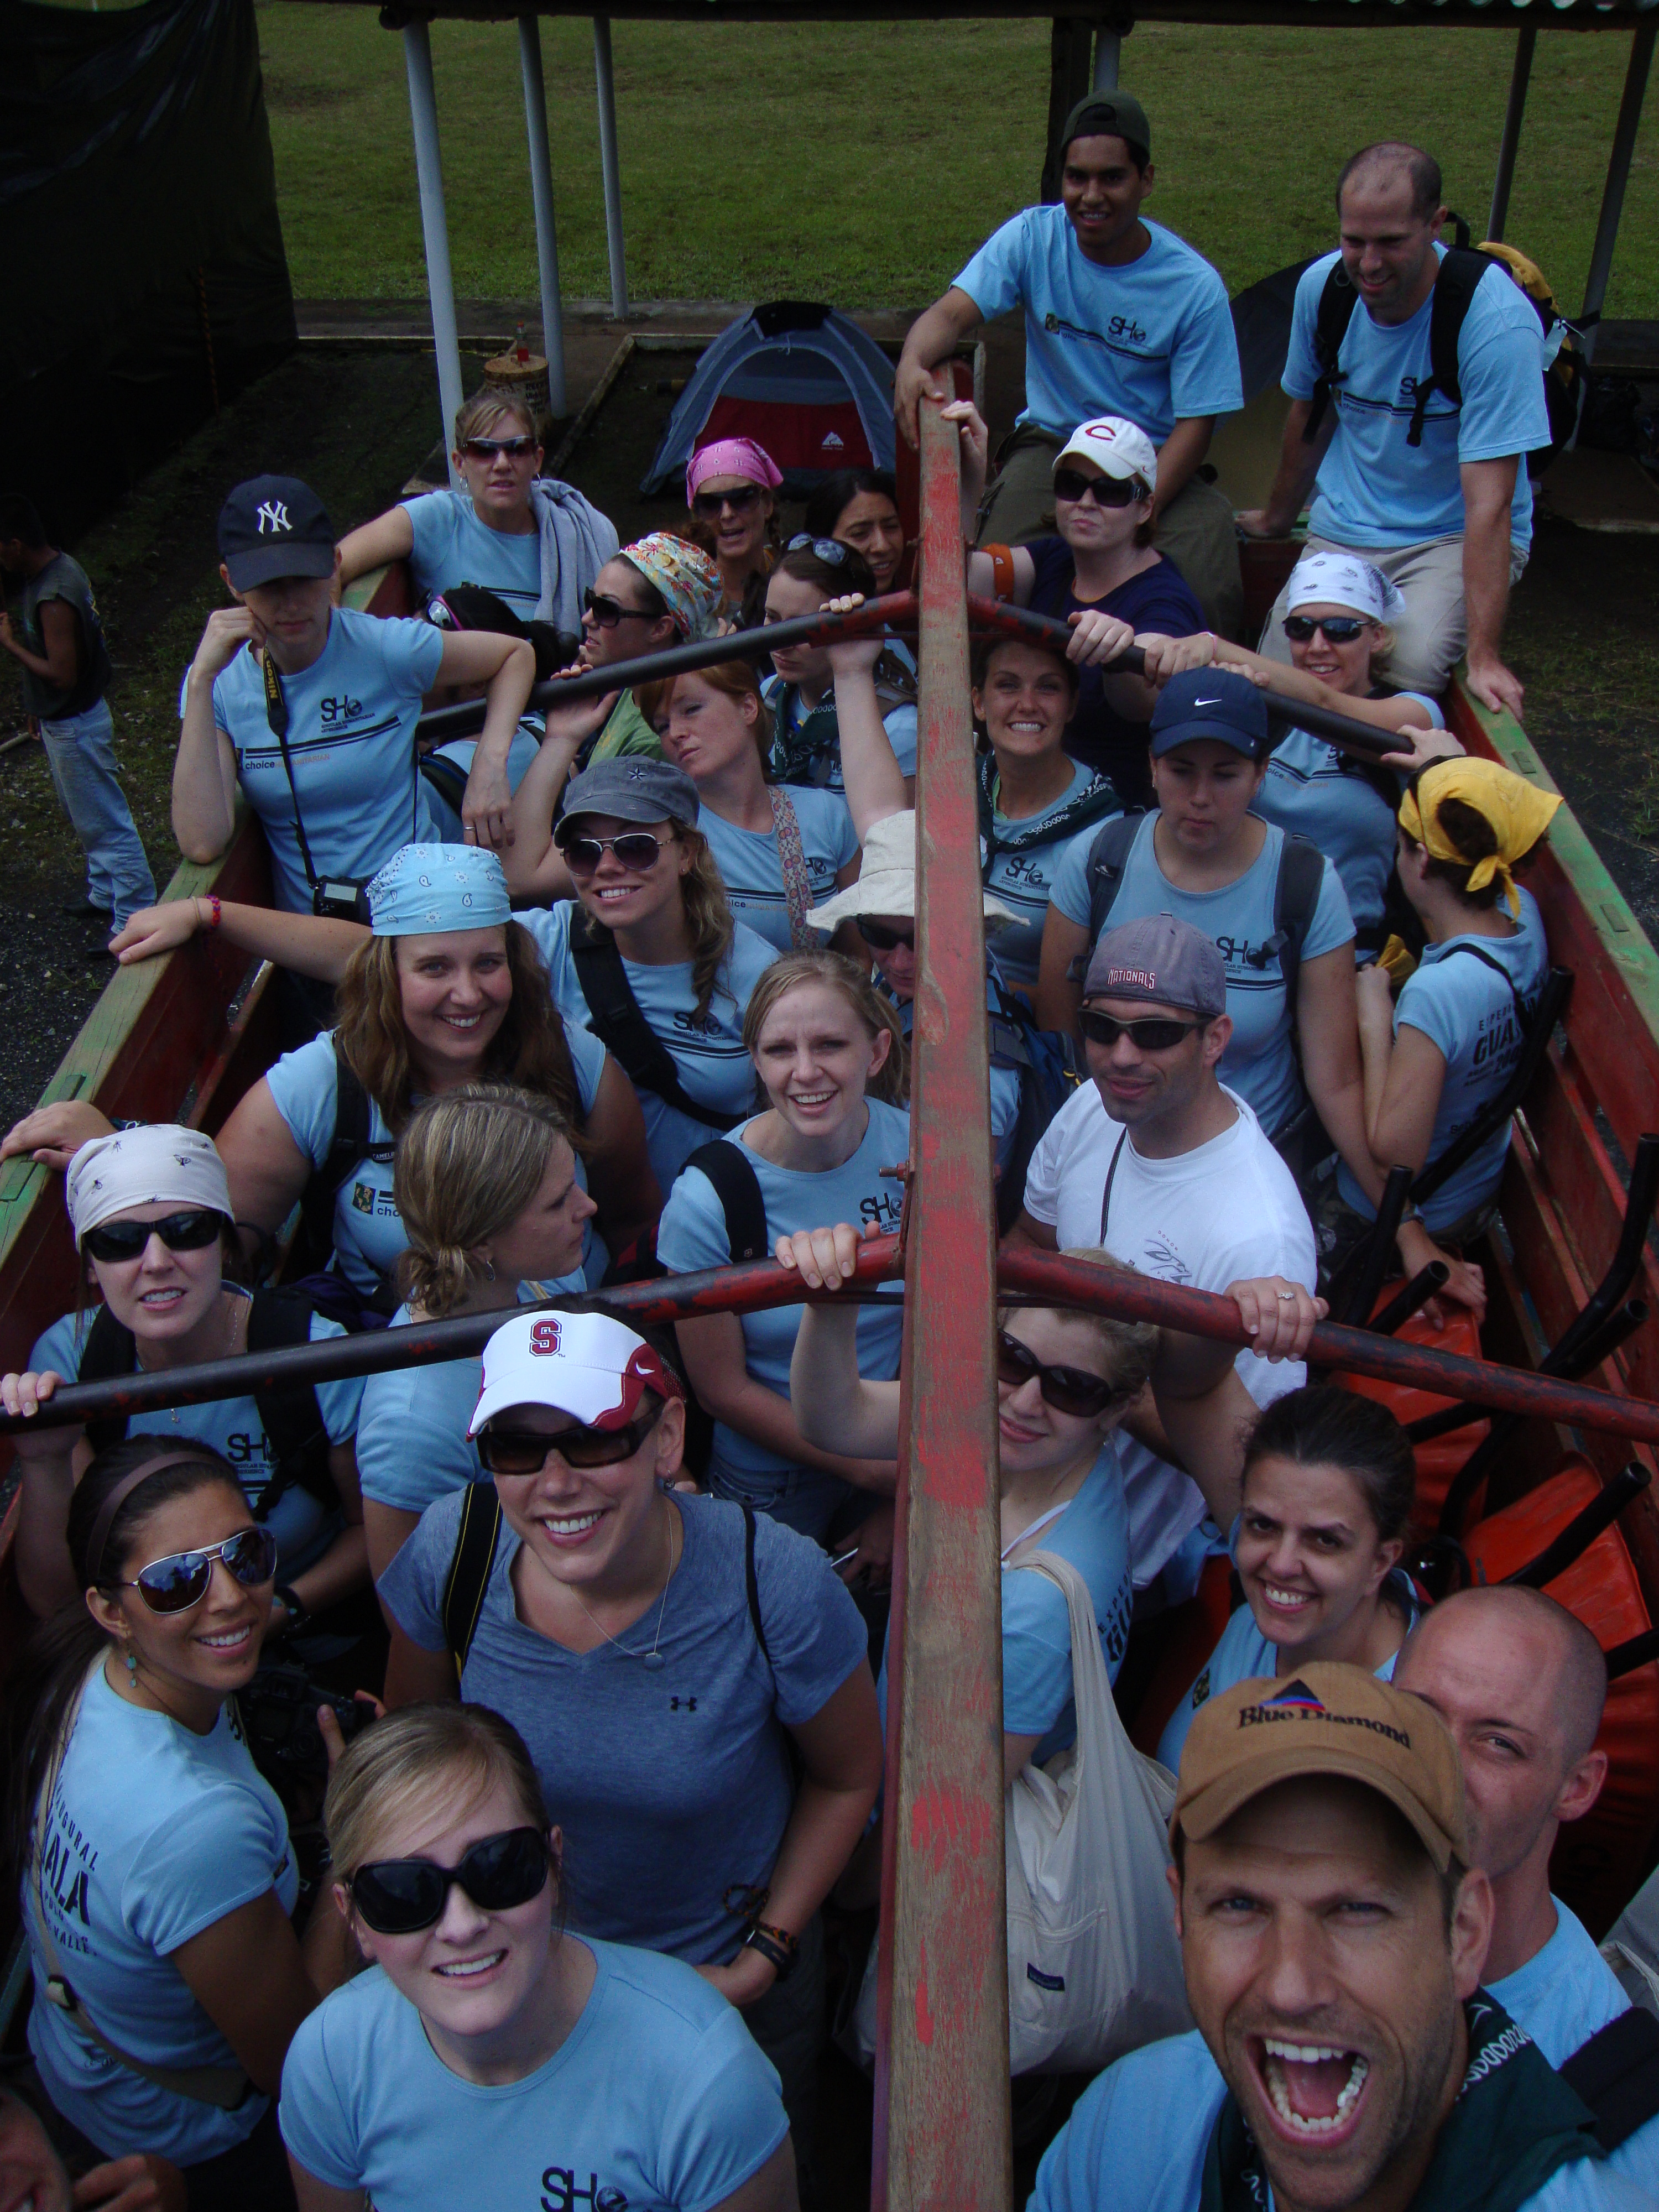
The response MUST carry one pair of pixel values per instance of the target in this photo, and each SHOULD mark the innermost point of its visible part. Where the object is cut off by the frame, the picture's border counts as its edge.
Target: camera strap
(277, 718)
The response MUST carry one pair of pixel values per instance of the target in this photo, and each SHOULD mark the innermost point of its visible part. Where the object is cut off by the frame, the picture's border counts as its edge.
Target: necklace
(652, 1660)
(232, 1311)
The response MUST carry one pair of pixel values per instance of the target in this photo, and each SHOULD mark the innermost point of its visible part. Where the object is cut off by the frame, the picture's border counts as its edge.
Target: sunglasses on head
(880, 938)
(608, 612)
(1340, 629)
(179, 1581)
(711, 504)
(1151, 1034)
(1105, 491)
(485, 449)
(634, 848)
(190, 1231)
(825, 548)
(1067, 1389)
(397, 1897)
(526, 1451)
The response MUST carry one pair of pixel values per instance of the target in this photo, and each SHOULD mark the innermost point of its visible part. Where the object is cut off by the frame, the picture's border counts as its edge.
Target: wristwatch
(297, 1615)
(777, 1944)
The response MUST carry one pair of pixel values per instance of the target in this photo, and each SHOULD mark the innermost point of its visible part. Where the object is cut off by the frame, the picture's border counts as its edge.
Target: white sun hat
(887, 879)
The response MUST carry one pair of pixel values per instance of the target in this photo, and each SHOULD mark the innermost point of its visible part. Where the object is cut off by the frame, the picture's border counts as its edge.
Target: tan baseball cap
(1326, 1718)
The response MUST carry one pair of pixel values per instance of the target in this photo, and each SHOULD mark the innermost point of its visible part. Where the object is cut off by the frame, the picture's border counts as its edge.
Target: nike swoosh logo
(1207, 702)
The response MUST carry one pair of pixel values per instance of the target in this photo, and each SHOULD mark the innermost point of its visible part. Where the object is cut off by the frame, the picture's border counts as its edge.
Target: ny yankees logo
(273, 515)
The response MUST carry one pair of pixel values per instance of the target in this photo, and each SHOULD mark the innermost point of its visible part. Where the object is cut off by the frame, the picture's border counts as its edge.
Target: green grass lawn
(865, 165)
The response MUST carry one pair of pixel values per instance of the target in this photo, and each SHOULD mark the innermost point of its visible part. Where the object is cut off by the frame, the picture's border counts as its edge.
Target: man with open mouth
(1332, 1936)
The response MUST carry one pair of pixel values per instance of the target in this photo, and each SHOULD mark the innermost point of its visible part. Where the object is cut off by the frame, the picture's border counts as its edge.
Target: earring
(489, 1270)
(131, 1664)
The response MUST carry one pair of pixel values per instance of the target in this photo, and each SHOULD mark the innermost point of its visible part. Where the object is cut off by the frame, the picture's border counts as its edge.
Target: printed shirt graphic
(1024, 880)
(1373, 488)
(453, 547)
(351, 739)
(752, 871)
(153, 1834)
(1151, 341)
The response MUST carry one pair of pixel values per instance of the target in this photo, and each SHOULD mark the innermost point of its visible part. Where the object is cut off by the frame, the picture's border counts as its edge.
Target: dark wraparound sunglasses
(711, 504)
(526, 1451)
(608, 612)
(397, 1897)
(179, 1581)
(634, 848)
(880, 938)
(1153, 1034)
(485, 449)
(1105, 491)
(1067, 1389)
(1340, 629)
(179, 1232)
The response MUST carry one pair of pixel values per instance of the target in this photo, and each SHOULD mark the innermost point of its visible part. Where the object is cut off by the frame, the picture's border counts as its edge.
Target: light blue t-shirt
(1259, 1061)
(1470, 1012)
(752, 870)
(303, 1525)
(527, 743)
(1024, 880)
(1307, 790)
(453, 547)
(153, 1834)
(692, 1234)
(1151, 340)
(790, 711)
(369, 1230)
(351, 740)
(1005, 1076)
(1374, 489)
(1093, 1534)
(671, 1784)
(1245, 1655)
(1137, 2138)
(657, 2100)
(709, 1054)
(1563, 1995)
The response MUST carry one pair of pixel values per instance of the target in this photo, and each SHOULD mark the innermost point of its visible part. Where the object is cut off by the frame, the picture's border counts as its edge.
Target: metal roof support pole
(1618, 162)
(1509, 145)
(942, 2129)
(434, 228)
(1108, 48)
(609, 165)
(541, 189)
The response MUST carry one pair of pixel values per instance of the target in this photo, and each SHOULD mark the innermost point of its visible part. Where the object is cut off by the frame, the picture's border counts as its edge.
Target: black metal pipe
(1552, 1004)
(1635, 1651)
(1612, 1334)
(1417, 1293)
(1379, 1250)
(1581, 1531)
(1627, 1253)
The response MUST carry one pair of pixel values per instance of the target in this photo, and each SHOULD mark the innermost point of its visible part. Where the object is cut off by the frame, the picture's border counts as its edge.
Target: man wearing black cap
(1122, 317)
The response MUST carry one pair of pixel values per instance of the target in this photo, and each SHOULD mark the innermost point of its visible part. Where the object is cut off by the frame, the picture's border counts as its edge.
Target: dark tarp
(143, 259)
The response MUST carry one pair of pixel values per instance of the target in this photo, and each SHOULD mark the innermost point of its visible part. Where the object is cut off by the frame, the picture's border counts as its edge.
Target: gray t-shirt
(671, 1785)
(66, 579)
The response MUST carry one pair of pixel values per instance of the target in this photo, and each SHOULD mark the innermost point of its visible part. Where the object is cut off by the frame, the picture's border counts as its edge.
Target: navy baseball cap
(631, 788)
(275, 526)
(1211, 702)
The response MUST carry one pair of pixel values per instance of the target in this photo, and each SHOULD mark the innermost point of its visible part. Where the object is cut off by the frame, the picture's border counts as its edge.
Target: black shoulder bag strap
(1337, 302)
(1522, 1015)
(1616, 2074)
(1111, 1177)
(622, 1028)
(277, 720)
(1296, 899)
(751, 1583)
(738, 1188)
(1461, 269)
(470, 1566)
(290, 1413)
(1108, 858)
(109, 1351)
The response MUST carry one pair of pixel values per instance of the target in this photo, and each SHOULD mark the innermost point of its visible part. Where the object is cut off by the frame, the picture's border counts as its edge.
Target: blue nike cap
(1211, 702)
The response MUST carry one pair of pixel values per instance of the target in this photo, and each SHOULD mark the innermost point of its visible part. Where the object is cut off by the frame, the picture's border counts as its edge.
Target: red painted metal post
(942, 2112)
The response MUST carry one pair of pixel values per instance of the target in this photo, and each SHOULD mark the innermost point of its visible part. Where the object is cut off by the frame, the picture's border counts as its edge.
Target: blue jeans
(80, 754)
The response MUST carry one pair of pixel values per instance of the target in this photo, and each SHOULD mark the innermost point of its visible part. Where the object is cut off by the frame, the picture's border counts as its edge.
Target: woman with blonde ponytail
(485, 1181)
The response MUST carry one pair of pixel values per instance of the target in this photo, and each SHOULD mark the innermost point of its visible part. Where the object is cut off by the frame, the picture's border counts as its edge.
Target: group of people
(626, 986)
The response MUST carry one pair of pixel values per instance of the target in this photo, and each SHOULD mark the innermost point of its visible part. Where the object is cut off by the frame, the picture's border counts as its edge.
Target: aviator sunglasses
(710, 505)
(1067, 1389)
(526, 1451)
(485, 449)
(1152, 1034)
(634, 848)
(191, 1231)
(1105, 491)
(399, 1897)
(179, 1581)
(1340, 629)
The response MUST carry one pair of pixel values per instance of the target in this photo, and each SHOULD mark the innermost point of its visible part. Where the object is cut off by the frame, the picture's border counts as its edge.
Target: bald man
(1520, 1684)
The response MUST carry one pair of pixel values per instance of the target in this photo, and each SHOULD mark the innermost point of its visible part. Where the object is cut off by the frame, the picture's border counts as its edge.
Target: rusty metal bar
(943, 2139)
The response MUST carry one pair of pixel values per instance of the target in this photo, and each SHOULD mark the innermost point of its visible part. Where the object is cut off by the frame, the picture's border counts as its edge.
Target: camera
(337, 898)
(279, 1717)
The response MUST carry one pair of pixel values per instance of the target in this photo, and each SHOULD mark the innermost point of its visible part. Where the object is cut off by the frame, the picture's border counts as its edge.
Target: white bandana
(159, 1165)
(1343, 580)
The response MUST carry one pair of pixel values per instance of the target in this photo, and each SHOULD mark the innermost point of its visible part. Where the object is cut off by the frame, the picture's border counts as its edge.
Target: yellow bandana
(1518, 815)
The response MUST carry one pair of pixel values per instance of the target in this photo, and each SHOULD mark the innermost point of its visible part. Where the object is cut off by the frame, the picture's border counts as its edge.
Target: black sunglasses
(179, 1581)
(1105, 491)
(397, 1897)
(526, 1451)
(485, 449)
(826, 548)
(179, 1232)
(634, 848)
(608, 612)
(711, 504)
(1067, 1389)
(880, 938)
(1152, 1034)
(1340, 629)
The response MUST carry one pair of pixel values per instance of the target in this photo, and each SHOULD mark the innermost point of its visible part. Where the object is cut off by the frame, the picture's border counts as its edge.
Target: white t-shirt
(1226, 1210)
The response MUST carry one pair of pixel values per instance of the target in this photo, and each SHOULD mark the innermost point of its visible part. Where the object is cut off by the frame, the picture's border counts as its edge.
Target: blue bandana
(434, 888)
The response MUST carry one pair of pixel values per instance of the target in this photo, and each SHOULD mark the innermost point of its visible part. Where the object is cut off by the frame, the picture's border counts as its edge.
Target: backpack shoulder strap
(291, 1413)
(738, 1188)
(1337, 302)
(1108, 858)
(470, 1566)
(751, 1584)
(109, 1351)
(619, 1024)
(1296, 899)
(1616, 2074)
(348, 1148)
(1460, 271)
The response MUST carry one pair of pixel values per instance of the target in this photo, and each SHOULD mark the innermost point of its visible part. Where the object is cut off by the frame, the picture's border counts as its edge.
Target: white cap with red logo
(584, 1364)
(1117, 447)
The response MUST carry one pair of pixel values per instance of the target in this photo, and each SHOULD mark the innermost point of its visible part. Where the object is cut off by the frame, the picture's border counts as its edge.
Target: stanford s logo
(545, 1336)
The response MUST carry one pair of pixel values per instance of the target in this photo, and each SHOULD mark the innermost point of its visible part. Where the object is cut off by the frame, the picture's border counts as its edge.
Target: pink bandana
(731, 457)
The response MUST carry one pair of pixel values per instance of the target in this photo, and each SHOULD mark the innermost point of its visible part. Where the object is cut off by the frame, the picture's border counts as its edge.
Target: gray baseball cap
(631, 788)
(1165, 961)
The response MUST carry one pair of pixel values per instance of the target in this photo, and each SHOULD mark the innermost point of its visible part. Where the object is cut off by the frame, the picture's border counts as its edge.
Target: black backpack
(1616, 2073)
(1046, 1062)
(290, 1413)
(348, 1148)
(619, 1025)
